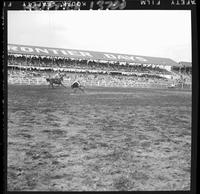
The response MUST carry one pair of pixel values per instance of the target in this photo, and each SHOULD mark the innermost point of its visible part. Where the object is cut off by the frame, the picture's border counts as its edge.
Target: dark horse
(56, 81)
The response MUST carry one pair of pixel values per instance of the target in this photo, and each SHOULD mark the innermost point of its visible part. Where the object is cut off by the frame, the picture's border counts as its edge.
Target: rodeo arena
(83, 120)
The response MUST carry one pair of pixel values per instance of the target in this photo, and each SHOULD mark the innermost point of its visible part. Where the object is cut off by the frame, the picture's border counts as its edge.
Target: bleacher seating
(34, 70)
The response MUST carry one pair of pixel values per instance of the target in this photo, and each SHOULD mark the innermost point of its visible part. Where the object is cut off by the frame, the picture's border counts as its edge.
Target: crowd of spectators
(90, 73)
(185, 74)
(16, 75)
(87, 65)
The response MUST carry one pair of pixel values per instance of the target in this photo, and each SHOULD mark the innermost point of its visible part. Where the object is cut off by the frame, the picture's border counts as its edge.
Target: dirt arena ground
(108, 139)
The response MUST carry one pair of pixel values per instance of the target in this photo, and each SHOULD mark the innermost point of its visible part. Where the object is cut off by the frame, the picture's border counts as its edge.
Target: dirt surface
(108, 139)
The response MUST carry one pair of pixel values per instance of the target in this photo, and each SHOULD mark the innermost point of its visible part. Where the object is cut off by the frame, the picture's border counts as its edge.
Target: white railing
(88, 82)
(26, 81)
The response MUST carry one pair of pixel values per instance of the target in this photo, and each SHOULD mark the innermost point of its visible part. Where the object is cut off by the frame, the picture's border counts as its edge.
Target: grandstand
(31, 65)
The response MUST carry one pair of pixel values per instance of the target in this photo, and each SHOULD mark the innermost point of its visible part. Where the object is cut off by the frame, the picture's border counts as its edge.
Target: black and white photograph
(99, 100)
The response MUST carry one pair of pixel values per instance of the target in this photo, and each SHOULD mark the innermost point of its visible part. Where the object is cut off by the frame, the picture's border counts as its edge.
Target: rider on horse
(57, 80)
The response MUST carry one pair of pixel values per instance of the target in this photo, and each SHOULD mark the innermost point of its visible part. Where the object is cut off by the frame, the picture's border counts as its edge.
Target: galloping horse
(56, 81)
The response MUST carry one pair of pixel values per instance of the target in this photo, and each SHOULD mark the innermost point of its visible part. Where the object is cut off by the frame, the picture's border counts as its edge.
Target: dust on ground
(108, 139)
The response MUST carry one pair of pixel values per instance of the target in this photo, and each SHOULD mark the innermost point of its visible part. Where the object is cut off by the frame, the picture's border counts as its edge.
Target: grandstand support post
(20, 69)
(12, 56)
(26, 63)
(52, 61)
(26, 60)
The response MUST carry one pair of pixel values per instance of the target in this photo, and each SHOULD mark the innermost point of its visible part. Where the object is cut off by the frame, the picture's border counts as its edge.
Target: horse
(56, 81)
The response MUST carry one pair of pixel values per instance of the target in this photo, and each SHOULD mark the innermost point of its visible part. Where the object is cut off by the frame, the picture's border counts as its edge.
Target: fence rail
(90, 83)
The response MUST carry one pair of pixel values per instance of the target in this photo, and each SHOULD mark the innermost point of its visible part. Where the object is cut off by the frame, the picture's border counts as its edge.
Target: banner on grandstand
(88, 55)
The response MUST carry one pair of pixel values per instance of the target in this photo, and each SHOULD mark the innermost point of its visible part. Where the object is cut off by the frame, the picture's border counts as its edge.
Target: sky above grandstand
(152, 33)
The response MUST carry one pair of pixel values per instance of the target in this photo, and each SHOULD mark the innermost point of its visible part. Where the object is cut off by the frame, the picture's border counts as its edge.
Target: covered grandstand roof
(88, 55)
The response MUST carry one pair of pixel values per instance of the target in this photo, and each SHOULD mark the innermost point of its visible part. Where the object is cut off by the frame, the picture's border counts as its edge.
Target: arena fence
(89, 83)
